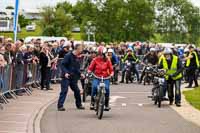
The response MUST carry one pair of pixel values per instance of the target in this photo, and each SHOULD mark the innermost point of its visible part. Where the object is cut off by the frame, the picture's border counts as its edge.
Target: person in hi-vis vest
(192, 66)
(173, 67)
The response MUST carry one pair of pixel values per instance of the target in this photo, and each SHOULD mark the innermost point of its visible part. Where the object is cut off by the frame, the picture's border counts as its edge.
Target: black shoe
(91, 106)
(19, 94)
(121, 81)
(178, 105)
(34, 86)
(107, 108)
(61, 109)
(8, 96)
(196, 86)
(115, 83)
(165, 99)
(171, 103)
(49, 88)
(81, 108)
(188, 87)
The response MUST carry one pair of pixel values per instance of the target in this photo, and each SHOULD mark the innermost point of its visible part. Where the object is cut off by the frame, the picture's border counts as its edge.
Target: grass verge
(193, 97)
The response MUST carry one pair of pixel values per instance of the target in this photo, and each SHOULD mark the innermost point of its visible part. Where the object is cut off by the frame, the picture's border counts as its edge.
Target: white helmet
(186, 50)
(167, 51)
(152, 50)
(93, 49)
(110, 50)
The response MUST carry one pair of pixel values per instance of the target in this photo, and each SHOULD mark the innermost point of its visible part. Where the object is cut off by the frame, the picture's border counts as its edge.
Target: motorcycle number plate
(102, 85)
(161, 80)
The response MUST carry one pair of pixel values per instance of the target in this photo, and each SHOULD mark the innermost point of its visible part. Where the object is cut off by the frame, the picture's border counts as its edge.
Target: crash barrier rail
(56, 71)
(17, 78)
(22, 77)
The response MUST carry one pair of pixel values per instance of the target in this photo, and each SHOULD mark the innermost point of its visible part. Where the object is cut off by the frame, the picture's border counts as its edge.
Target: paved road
(132, 112)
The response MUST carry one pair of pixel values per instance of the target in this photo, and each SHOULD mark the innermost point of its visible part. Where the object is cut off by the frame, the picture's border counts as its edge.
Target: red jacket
(100, 67)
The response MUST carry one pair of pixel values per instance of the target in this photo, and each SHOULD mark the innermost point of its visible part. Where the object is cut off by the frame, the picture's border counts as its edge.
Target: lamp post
(90, 30)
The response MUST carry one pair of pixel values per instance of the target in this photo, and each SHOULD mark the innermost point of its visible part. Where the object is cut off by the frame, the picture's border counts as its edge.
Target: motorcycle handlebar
(102, 78)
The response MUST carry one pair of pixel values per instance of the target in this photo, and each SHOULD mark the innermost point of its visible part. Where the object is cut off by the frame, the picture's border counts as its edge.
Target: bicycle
(100, 98)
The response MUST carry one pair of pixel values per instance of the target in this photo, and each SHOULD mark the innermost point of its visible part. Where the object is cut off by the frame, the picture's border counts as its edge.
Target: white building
(31, 14)
(6, 20)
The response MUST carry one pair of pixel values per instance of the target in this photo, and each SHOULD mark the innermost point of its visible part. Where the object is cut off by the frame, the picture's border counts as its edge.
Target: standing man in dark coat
(70, 67)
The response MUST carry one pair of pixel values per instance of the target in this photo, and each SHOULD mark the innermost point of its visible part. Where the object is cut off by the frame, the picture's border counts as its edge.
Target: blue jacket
(71, 65)
(115, 59)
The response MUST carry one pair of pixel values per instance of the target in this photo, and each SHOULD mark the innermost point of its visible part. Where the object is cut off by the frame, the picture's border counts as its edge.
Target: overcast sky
(33, 4)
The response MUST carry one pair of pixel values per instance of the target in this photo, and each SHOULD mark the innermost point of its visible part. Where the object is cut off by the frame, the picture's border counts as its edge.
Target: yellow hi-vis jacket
(196, 57)
(172, 69)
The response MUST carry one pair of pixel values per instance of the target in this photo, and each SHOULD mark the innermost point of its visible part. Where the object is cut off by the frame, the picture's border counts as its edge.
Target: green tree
(125, 20)
(22, 21)
(55, 22)
(65, 5)
(177, 21)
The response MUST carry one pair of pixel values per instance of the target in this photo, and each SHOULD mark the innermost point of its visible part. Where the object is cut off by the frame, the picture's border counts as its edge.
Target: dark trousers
(192, 76)
(65, 83)
(115, 77)
(82, 83)
(143, 73)
(135, 71)
(170, 89)
(45, 77)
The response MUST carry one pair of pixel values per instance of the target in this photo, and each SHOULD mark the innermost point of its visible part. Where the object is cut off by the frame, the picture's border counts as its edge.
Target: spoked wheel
(145, 79)
(96, 108)
(101, 106)
(127, 77)
(1, 107)
(85, 93)
(134, 78)
(156, 101)
(159, 97)
(156, 96)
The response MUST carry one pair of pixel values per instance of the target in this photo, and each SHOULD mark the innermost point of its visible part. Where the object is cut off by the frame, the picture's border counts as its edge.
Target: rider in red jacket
(101, 66)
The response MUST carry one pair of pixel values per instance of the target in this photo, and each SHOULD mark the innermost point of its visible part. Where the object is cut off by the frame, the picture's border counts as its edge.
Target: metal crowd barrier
(56, 71)
(14, 78)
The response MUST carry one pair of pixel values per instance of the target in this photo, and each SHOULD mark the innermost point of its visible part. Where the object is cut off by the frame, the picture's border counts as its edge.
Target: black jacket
(43, 60)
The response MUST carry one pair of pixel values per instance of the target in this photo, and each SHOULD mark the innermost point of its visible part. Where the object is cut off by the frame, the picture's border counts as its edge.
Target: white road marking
(140, 104)
(114, 98)
(11, 132)
(124, 104)
(14, 122)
